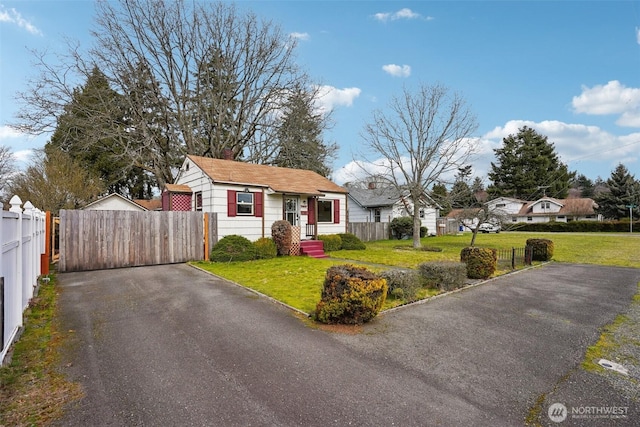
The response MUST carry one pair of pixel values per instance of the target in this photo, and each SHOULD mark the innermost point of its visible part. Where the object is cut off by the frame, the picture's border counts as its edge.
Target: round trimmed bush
(351, 242)
(281, 234)
(403, 284)
(265, 248)
(233, 248)
(401, 227)
(542, 249)
(481, 262)
(331, 242)
(350, 295)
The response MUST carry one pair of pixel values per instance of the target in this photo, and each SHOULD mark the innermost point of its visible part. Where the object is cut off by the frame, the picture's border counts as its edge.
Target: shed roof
(281, 180)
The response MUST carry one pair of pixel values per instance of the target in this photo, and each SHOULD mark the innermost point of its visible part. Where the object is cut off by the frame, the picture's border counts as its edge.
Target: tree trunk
(416, 228)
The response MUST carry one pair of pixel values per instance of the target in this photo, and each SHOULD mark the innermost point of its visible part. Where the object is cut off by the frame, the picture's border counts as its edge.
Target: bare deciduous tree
(7, 169)
(424, 135)
(196, 77)
(54, 181)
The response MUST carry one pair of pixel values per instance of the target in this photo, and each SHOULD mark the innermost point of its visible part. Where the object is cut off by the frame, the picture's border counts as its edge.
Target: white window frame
(244, 204)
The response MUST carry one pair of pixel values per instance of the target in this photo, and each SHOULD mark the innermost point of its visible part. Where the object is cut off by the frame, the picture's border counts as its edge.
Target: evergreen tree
(527, 168)
(440, 195)
(300, 143)
(624, 191)
(90, 132)
(584, 185)
(461, 194)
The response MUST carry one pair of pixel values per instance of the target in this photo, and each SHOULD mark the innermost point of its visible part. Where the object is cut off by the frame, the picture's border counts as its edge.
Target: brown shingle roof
(571, 206)
(282, 180)
(178, 188)
(151, 205)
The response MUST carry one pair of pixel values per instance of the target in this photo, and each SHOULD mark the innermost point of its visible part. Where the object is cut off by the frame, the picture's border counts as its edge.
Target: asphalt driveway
(171, 345)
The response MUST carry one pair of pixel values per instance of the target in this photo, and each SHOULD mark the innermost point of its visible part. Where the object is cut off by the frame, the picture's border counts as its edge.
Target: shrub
(481, 262)
(403, 284)
(542, 249)
(445, 275)
(332, 242)
(423, 231)
(401, 227)
(233, 248)
(351, 242)
(281, 234)
(350, 295)
(265, 248)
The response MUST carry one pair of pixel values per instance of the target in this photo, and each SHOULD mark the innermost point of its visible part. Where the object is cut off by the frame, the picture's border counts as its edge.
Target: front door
(292, 209)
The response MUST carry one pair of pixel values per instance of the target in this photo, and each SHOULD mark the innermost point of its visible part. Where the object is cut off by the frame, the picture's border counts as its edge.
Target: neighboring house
(114, 202)
(375, 204)
(545, 209)
(248, 198)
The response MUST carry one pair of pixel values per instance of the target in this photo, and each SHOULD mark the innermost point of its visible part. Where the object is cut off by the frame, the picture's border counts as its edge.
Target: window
(514, 219)
(329, 211)
(421, 213)
(244, 205)
(325, 211)
(500, 205)
(529, 218)
(377, 215)
(198, 200)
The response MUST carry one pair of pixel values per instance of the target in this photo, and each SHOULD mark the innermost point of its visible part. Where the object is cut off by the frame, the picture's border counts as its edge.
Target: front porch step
(312, 248)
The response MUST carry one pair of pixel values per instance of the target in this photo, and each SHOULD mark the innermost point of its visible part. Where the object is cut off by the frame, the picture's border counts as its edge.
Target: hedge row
(579, 226)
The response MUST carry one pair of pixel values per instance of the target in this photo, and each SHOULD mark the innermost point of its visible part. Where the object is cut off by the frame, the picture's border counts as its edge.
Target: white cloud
(405, 13)
(12, 16)
(7, 132)
(300, 36)
(330, 97)
(397, 70)
(638, 35)
(574, 142)
(612, 98)
(23, 156)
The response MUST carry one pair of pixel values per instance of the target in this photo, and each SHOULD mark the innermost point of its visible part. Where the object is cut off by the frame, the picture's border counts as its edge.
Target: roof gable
(281, 180)
(114, 201)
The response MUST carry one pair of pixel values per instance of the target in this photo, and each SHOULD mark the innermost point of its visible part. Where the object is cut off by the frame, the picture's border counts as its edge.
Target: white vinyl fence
(22, 241)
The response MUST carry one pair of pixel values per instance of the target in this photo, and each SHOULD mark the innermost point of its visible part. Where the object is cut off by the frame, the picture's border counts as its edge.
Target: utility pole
(631, 206)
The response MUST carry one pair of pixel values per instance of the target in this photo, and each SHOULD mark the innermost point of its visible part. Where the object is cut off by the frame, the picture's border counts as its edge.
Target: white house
(114, 202)
(249, 198)
(383, 204)
(546, 209)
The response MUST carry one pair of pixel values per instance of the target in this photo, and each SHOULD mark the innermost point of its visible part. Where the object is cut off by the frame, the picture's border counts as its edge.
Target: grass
(32, 391)
(297, 281)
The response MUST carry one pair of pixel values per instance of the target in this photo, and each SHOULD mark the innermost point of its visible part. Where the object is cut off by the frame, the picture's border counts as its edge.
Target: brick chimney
(228, 154)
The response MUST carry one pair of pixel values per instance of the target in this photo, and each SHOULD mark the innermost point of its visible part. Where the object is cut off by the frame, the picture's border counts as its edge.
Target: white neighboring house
(546, 209)
(114, 202)
(375, 204)
(248, 198)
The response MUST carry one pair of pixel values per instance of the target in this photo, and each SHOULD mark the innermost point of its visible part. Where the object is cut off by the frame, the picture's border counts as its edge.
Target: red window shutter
(336, 211)
(231, 203)
(258, 204)
(311, 212)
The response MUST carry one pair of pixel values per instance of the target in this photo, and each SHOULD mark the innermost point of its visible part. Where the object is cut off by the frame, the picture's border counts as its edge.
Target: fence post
(15, 203)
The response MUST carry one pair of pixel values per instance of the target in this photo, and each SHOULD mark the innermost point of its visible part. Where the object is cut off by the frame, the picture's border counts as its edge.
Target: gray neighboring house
(383, 204)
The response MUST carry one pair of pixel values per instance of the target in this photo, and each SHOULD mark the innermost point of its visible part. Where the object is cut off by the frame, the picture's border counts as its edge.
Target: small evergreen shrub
(423, 231)
(350, 295)
(351, 242)
(281, 234)
(481, 262)
(444, 275)
(465, 252)
(233, 248)
(401, 227)
(542, 249)
(403, 284)
(265, 248)
(332, 242)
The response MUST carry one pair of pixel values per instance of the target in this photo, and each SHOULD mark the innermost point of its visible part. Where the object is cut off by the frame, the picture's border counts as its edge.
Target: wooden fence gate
(96, 240)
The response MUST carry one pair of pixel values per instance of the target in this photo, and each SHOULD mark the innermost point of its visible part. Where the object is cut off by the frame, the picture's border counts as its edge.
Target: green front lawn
(297, 281)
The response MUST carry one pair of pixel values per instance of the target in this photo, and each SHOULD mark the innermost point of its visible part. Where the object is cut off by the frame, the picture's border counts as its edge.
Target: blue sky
(569, 69)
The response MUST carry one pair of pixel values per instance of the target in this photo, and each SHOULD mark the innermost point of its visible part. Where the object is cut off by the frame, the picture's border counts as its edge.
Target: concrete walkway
(171, 345)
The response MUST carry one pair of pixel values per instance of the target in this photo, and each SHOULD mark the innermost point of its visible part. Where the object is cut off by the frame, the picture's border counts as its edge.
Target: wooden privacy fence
(22, 243)
(370, 231)
(96, 240)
